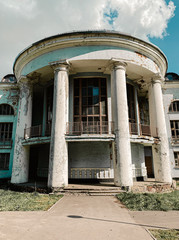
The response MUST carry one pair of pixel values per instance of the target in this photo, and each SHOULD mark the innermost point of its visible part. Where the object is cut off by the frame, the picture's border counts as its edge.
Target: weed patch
(148, 201)
(165, 234)
(22, 201)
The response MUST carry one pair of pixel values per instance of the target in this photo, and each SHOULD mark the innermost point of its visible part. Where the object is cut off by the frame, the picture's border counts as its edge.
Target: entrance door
(149, 166)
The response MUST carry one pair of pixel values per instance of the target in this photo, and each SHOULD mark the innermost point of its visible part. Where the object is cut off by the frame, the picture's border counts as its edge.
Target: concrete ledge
(38, 140)
(142, 139)
(90, 137)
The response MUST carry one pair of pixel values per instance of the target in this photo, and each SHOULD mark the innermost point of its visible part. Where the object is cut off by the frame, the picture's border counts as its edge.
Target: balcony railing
(86, 173)
(78, 128)
(139, 129)
(36, 131)
(139, 172)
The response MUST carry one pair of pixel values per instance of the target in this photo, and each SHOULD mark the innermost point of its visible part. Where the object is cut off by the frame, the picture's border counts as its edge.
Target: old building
(171, 103)
(90, 106)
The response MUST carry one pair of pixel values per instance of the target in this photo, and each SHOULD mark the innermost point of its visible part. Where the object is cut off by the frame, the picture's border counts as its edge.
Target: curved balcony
(80, 128)
(139, 129)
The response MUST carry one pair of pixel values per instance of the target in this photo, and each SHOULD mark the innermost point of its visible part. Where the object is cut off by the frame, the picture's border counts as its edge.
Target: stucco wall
(90, 155)
(138, 158)
(170, 94)
(9, 94)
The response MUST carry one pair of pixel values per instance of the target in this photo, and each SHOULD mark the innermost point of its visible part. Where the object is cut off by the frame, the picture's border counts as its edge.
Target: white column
(162, 167)
(58, 161)
(20, 168)
(122, 162)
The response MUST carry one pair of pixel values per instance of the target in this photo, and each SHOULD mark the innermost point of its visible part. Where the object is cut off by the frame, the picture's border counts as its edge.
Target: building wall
(138, 160)
(170, 94)
(9, 94)
(90, 155)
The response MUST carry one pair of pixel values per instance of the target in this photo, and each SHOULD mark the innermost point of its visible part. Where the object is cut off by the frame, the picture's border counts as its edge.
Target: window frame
(6, 130)
(174, 106)
(80, 97)
(8, 109)
(174, 129)
(6, 161)
(176, 159)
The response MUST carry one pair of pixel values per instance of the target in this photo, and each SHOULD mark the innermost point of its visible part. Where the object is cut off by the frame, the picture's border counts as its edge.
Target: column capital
(24, 80)
(116, 64)
(157, 78)
(61, 65)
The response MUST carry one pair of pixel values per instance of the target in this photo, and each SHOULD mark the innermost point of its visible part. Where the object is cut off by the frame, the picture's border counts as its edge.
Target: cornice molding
(58, 42)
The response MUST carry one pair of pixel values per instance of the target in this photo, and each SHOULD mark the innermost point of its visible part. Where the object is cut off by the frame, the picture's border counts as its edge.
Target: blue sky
(170, 43)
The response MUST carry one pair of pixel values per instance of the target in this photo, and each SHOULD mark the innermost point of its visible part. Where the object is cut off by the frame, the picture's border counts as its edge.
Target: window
(131, 103)
(90, 104)
(5, 131)
(174, 106)
(4, 161)
(49, 103)
(174, 124)
(90, 100)
(176, 157)
(6, 109)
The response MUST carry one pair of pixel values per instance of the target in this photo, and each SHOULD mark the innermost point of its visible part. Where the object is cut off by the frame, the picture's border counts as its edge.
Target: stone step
(103, 194)
(92, 189)
(92, 192)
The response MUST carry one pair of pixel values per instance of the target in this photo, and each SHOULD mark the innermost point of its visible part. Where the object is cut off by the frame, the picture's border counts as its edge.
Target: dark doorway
(39, 161)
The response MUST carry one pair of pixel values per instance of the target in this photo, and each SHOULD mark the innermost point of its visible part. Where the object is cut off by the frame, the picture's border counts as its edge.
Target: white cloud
(24, 21)
(142, 18)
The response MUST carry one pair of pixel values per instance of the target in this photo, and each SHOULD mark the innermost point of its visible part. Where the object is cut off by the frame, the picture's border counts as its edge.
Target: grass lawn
(23, 201)
(150, 201)
(165, 234)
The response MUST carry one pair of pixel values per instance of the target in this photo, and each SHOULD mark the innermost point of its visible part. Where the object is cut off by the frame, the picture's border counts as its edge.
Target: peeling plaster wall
(90, 155)
(138, 158)
(21, 153)
(9, 94)
(170, 94)
(90, 53)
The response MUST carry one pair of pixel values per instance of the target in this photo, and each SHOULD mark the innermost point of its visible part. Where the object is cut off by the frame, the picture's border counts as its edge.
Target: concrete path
(73, 217)
(156, 219)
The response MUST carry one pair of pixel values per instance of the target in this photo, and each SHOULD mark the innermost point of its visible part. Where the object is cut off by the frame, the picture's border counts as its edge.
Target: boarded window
(6, 109)
(4, 161)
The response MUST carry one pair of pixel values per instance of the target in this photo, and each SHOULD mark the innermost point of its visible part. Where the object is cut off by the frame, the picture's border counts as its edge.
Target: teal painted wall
(9, 95)
(65, 53)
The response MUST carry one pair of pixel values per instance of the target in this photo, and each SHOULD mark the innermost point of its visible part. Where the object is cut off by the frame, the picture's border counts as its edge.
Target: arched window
(171, 77)
(6, 109)
(174, 106)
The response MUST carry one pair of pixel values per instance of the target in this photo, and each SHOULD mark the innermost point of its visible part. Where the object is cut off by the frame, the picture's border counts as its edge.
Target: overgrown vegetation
(165, 234)
(147, 201)
(23, 201)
